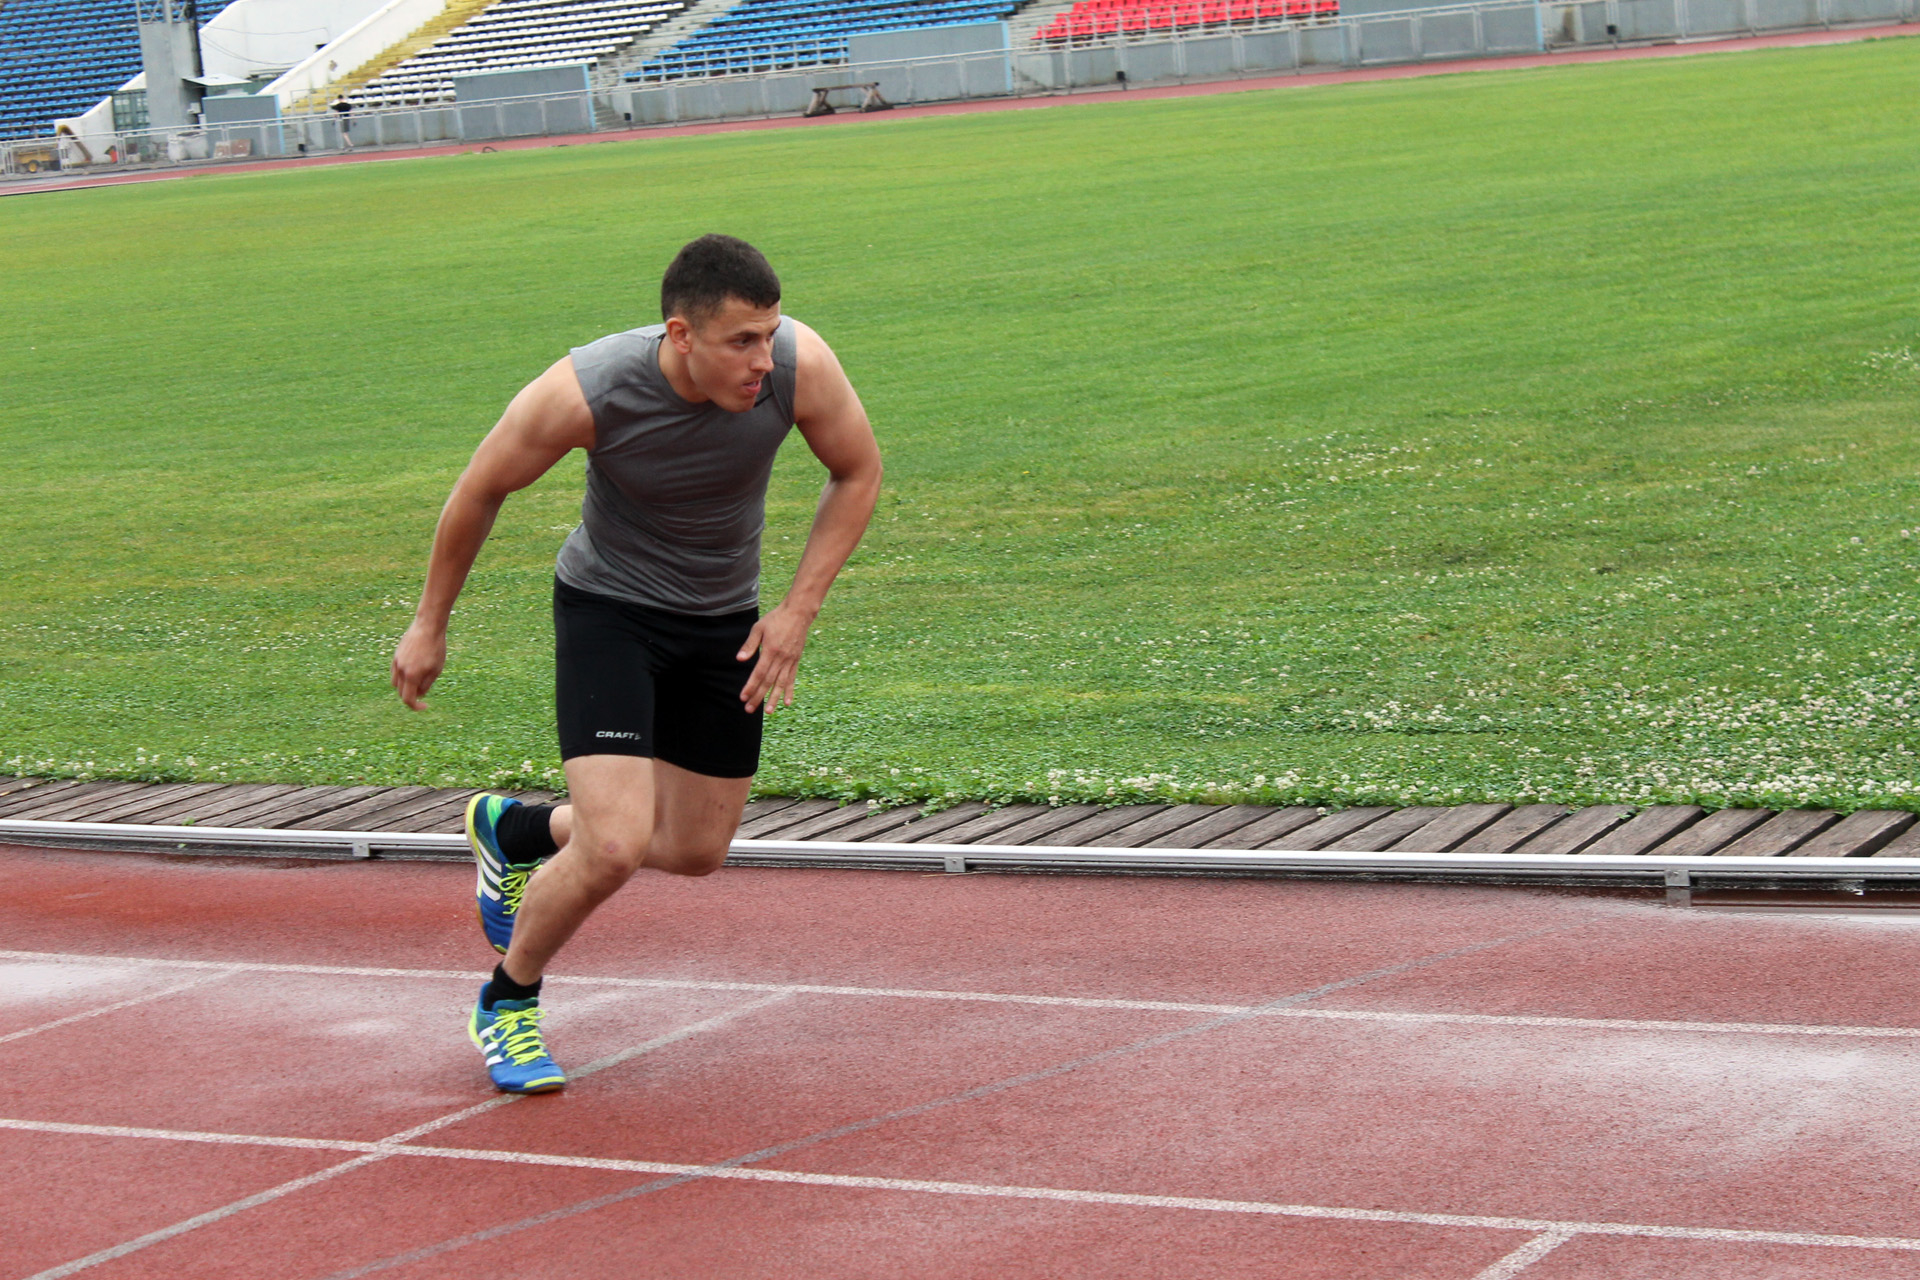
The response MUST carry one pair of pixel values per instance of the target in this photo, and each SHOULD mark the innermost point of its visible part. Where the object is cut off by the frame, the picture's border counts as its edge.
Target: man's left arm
(835, 427)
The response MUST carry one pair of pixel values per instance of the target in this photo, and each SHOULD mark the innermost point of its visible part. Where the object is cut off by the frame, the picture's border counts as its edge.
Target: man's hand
(779, 639)
(417, 663)
(548, 417)
(834, 425)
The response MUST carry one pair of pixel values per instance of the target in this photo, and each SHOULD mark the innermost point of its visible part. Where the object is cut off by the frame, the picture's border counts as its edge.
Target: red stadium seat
(1186, 15)
(1160, 18)
(1214, 12)
(1108, 24)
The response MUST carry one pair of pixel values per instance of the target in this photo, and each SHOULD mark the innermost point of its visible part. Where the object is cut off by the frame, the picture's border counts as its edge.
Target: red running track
(247, 1068)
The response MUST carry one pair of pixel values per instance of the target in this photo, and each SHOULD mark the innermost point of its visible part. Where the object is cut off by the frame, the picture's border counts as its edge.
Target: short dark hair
(707, 272)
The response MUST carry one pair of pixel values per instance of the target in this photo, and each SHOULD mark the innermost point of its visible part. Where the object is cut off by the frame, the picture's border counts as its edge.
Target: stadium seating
(769, 35)
(60, 57)
(516, 35)
(1092, 20)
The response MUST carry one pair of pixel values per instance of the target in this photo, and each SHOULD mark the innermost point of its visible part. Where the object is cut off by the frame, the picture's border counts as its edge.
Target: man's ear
(680, 334)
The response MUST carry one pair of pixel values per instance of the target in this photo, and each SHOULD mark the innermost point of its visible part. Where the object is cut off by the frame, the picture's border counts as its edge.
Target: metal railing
(306, 134)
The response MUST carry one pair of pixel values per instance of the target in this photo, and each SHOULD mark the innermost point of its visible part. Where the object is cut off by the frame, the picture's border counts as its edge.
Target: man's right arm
(546, 420)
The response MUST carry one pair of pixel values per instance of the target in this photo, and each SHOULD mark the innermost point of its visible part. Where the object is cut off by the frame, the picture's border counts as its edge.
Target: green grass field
(1512, 436)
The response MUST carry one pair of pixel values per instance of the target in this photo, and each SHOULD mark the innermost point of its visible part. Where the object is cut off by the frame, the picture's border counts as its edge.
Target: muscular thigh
(695, 817)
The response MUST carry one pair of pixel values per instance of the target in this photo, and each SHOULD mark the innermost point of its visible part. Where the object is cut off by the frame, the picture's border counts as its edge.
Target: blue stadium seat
(766, 35)
(60, 57)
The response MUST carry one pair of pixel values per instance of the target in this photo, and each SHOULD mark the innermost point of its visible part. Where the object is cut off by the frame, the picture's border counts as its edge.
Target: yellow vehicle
(35, 157)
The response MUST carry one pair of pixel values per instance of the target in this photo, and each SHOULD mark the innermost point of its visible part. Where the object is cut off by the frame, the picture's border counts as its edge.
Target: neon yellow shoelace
(517, 1032)
(512, 886)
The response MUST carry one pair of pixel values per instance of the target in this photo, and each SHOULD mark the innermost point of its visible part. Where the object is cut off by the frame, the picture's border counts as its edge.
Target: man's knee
(687, 858)
(610, 860)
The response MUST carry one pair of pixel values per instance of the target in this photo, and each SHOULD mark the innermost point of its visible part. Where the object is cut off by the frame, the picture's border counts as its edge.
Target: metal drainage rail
(1678, 875)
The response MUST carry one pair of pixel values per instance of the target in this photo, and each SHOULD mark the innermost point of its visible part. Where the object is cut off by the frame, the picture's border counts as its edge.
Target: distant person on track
(664, 667)
(344, 111)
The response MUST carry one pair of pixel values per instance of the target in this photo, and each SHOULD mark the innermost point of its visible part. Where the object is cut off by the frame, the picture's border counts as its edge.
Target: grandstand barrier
(309, 134)
(1588, 22)
(1370, 39)
(530, 103)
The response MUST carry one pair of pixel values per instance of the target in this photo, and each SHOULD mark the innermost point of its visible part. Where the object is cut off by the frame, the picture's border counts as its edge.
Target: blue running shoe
(501, 883)
(509, 1036)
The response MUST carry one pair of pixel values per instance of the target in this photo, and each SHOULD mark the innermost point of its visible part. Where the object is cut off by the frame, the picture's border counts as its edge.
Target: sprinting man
(343, 112)
(664, 666)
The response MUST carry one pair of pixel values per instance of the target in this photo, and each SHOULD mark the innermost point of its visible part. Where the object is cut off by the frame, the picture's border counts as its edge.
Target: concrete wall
(532, 83)
(1598, 22)
(727, 98)
(355, 47)
(249, 118)
(168, 55)
(235, 108)
(523, 104)
(933, 64)
(927, 42)
(252, 36)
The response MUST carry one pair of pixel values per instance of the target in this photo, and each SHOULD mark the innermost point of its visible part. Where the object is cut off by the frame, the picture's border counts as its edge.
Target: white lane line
(1538, 1227)
(1526, 1255)
(367, 1152)
(1600, 1024)
(242, 966)
(104, 1009)
(674, 984)
(189, 1224)
(187, 1135)
(996, 997)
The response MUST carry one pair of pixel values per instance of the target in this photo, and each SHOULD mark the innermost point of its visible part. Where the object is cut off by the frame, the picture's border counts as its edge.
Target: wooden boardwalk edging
(1600, 830)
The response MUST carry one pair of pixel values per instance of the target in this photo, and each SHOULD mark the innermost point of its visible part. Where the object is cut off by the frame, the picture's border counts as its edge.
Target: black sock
(504, 988)
(524, 833)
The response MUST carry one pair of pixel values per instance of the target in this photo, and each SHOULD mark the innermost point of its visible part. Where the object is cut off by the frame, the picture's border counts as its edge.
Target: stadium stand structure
(59, 57)
(775, 35)
(513, 35)
(614, 71)
(1097, 21)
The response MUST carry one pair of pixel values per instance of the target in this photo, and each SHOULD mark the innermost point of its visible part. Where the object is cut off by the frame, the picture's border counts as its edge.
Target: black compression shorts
(635, 681)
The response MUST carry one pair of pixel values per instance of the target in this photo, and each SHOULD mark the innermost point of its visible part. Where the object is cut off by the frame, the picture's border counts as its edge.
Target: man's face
(729, 354)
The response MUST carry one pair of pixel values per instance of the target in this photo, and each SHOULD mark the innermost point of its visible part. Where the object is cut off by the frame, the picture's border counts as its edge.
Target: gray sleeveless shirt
(676, 492)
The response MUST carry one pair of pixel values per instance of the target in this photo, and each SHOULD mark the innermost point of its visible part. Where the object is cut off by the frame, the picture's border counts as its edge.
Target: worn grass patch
(1530, 435)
